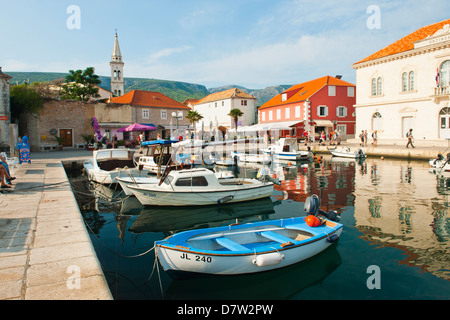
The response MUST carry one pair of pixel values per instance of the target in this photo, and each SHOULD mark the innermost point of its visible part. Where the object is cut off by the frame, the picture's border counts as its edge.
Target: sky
(250, 43)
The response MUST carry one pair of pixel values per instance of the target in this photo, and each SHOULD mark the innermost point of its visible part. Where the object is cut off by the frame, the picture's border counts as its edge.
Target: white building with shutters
(407, 86)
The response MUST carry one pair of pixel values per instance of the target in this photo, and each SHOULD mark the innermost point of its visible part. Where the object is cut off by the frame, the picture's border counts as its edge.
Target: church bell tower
(117, 87)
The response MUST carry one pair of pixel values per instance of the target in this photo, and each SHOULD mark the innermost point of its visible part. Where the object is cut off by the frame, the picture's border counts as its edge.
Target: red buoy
(312, 221)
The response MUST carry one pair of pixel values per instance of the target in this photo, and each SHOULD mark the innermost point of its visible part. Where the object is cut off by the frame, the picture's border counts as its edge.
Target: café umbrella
(137, 127)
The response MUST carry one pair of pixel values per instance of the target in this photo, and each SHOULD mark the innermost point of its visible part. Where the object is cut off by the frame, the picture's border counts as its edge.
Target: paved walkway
(45, 250)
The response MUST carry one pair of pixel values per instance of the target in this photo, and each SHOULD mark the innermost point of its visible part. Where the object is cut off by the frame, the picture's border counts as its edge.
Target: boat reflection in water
(171, 220)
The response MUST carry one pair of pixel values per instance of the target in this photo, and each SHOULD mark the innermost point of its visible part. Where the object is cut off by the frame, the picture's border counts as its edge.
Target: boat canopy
(158, 142)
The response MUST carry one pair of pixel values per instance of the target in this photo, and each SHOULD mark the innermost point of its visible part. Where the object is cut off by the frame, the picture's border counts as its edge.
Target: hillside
(179, 91)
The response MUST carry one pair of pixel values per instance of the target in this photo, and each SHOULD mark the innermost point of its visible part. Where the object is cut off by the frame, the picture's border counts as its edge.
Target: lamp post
(306, 118)
(177, 115)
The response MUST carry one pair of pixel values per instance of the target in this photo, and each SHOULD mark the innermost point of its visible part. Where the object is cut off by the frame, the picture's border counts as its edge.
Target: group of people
(364, 137)
(334, 136)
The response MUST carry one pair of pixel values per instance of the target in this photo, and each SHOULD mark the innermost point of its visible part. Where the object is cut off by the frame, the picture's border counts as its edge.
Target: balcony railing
(442, 91)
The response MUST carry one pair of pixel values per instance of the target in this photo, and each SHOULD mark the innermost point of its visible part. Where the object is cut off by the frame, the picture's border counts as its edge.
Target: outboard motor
(312, 205)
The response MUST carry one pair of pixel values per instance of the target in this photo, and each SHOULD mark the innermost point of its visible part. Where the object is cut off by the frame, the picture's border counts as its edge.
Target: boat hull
(127, 181)
(190, 260)
(155, 197)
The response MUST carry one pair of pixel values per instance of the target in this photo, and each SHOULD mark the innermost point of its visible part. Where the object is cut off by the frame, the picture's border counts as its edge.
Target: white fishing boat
(262, 158)
(246, 248)
(157, 154)
(125, 182)
(108, 164)
(347, 152)
(200, 186)
(287, 149)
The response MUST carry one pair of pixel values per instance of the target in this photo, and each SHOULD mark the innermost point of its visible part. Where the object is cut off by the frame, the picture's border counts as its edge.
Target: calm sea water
(395, 243)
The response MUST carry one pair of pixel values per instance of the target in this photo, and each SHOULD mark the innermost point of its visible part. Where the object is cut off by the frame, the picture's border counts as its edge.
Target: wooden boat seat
(230, 244)
(275, 237)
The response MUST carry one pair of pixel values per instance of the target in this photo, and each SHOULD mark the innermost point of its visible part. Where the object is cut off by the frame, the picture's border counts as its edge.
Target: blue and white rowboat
(246, 248)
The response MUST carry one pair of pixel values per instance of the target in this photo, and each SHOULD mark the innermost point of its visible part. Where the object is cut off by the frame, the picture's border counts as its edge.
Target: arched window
(405, 82)
(374, 87)
(444, 73)
(377, 121)
(379, 86)
(411, 81)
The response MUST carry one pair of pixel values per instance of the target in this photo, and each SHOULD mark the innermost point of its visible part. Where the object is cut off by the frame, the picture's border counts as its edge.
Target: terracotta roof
(407, 43)
(303, 91)
(235, 92)
(148, 99)
(4, 75)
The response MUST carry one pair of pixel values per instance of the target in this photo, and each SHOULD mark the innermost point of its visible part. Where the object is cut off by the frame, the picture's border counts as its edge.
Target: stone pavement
(45, 250)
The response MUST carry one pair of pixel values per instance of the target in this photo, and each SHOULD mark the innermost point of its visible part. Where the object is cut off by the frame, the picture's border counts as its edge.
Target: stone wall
(56, 115)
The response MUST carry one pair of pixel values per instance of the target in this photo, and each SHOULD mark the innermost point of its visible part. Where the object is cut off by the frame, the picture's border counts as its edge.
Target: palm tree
(193, 116)
(235, 114)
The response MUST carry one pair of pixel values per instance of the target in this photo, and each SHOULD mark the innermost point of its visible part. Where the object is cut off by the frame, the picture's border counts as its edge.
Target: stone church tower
(117, 84)
(5, 108)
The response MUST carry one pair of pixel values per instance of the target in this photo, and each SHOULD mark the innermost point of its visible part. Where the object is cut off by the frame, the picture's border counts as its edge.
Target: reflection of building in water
(398, 205)
(332, 181)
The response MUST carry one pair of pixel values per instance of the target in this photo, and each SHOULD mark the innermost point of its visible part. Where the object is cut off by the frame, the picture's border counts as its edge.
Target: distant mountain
(263, 95)
(176, 90)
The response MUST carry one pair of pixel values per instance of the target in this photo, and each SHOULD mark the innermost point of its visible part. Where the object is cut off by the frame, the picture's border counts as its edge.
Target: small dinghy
(346, 152)
(246, 248)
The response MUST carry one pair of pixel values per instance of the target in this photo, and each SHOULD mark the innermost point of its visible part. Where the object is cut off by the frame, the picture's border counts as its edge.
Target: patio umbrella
(137, 127)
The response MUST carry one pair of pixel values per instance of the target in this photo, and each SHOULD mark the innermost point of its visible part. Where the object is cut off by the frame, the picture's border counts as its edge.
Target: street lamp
(177, 116)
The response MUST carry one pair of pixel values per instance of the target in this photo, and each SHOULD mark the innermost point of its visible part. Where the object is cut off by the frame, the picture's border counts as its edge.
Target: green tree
(24, 99)
(235, 114)
(193, 116)
(81, 85)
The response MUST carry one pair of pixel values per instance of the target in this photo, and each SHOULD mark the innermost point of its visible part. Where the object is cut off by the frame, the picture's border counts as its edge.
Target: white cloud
(167, 52)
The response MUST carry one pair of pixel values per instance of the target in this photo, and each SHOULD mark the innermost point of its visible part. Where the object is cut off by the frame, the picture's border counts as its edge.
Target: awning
(323, 123)
(285, 125)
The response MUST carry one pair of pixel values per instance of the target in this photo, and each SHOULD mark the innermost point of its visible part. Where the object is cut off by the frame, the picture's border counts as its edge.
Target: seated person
(3, 177)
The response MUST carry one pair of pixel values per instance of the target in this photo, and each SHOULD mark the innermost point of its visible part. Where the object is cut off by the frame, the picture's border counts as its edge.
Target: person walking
(410, 137)
(375, 138)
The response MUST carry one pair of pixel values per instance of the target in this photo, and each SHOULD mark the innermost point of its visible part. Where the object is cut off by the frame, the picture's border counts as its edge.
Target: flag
(438, 78)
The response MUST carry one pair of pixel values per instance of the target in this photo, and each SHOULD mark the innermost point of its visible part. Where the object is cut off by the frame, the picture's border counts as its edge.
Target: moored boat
(287, 149)
(108, 164)
(246, 248)
(200, 186)
(346, 152)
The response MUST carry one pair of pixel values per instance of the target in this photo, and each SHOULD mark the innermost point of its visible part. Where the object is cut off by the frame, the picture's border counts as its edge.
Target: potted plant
(60, 142)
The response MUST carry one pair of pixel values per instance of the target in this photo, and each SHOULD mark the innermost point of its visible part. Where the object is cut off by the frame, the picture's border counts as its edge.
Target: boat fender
(225, 199)
(268, 259)
(333, 238)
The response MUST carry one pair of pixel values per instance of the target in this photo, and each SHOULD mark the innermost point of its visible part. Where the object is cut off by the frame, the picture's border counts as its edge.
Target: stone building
(67, 119)
(407, 86)
(117, 82)
(5, 108)
(149, 108)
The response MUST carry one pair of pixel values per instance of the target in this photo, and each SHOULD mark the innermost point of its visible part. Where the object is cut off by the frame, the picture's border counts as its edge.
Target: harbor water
(395, 243)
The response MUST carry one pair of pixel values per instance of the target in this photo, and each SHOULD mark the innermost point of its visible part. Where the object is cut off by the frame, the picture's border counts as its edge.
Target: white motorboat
(347, 152)
(108, 164)
(245, 248)
(262, 158)
(287, 149)
(125, 182)
(200, 186)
